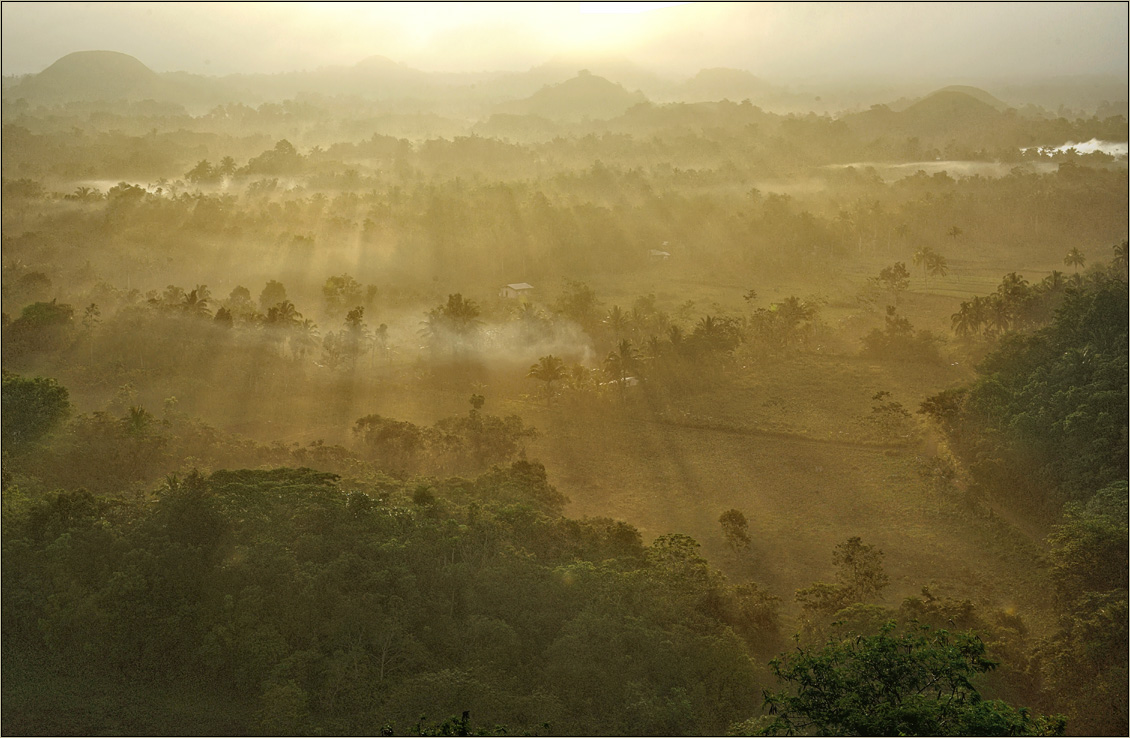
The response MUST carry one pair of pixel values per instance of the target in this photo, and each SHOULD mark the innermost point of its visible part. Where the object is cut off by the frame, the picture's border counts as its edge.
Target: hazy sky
(775, 40)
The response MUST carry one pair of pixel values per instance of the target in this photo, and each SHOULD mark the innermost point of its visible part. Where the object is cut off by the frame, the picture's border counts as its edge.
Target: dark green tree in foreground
(915, 683)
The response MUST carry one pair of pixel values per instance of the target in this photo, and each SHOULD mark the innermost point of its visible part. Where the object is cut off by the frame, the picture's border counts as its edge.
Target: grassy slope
(785, 447)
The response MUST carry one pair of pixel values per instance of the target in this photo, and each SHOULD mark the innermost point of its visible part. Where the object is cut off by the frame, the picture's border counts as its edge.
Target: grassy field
(785, 447)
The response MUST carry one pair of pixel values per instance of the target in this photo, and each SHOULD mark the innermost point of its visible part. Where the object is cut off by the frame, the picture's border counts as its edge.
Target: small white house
(516, 291)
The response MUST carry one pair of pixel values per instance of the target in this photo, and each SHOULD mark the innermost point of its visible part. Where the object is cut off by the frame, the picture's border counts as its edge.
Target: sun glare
(470, 36)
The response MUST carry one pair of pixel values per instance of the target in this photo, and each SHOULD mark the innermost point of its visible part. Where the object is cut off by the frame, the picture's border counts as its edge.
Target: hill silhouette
(722, 83)
(949, 110)
(974, 92)
(952, 104)
(941, 116)
(583, 96)
(617, 69)
(979, 94)
(93, 75)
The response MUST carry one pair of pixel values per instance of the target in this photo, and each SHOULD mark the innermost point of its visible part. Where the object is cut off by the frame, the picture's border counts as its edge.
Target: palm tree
(1119, 263)
(226, 167)
(1052, 283)
(954, 232)
(1075, 258)
(965, 320)
(549, 369)
(196, 302)
(930, 261)
(720, 334)
(980, 312)
(922, 257)
(284, 314)
(304, 339)
(85, 194)
(91, 316)
(999, 314)
(356, 334)
(654, 348)
(137, 420)
(937, 266)
(617, 320)
(620, 362)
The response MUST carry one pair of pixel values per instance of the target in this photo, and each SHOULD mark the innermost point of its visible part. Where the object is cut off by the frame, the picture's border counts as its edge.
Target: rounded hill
(721, 83)
(583, 96)
(92, 75)
(978, 94)
(949, 111)
(951, 103)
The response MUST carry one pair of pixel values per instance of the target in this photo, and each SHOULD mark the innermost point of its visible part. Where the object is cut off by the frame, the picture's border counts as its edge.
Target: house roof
(520, 286)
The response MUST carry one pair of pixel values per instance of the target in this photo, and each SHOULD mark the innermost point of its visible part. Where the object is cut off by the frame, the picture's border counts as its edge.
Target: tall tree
(620, 363)
(549, 369)
(1075, 259)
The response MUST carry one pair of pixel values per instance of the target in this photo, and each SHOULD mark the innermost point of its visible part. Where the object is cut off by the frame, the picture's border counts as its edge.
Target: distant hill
(978, 94)
(615, 69)
(950, 110)
(945, 114)
(974, 92)
(583, 96)
(93, 75)
(377, 63)
(720, 83)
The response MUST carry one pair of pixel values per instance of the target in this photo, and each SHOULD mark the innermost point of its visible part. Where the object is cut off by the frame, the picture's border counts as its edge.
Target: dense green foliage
(31, 409)
(913, 683)
(474, 441)
(307, 606)
(1046, 425)
(1046, 421)
(1086, 659)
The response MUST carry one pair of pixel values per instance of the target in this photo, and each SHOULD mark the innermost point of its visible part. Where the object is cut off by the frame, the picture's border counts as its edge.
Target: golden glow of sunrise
(438, 36)
(782, 40)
